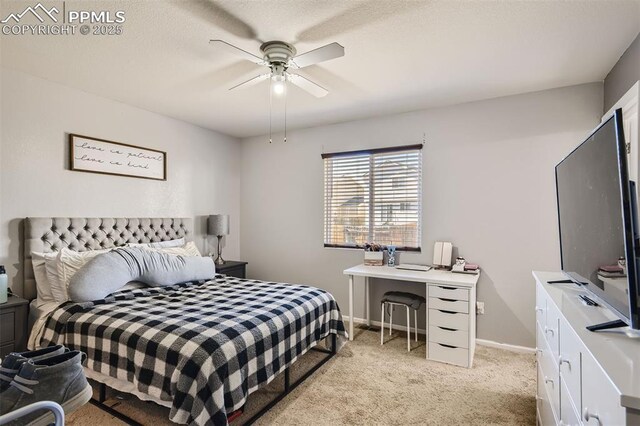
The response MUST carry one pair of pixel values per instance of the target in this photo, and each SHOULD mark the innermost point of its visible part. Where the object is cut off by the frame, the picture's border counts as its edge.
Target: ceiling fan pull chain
(270, 107)
(286, 90)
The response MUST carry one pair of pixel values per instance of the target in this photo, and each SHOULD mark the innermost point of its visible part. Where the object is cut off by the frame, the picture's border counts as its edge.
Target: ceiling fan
(281, 57)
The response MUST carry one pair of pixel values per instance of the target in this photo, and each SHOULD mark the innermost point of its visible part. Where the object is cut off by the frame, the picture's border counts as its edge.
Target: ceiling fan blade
(237, 51)
(321, 54)
(252, 81)
(308, 85)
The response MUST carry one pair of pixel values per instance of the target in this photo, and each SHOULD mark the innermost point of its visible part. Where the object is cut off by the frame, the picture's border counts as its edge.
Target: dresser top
(436, 276)
(617, 350)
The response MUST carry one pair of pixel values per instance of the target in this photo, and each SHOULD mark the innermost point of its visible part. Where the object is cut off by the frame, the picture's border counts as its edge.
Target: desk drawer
(452, 293)
(454, 320)
(458, 338)
(449, 354)
(451, 305)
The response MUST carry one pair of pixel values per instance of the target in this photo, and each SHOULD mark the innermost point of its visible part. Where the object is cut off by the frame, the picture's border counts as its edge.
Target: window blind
(373, 196)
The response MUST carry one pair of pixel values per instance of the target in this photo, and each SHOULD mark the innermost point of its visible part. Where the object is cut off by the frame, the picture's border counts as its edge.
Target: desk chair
(410, 301)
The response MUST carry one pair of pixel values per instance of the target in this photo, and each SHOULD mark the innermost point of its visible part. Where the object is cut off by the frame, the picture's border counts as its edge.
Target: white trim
(483, 342)
(630, 96)
(506, 346)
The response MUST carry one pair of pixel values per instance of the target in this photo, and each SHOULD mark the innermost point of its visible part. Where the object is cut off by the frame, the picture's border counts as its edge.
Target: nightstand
(13, 325)
(233, 269)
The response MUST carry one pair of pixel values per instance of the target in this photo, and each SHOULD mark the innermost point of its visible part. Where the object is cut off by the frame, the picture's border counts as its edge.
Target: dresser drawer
(541, 306)
(6, 349)
(458, 338)
(454, 320)
(448, 354)
(568, 413)
(546, 415)
(450, 305)
(7, 327)
(452, 293)
(599, 396)
(235, 272)
(548, 366)
(569, 362)
(551, 329)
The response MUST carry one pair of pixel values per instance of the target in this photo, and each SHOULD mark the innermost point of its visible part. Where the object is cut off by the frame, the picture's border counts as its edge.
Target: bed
(199, 348)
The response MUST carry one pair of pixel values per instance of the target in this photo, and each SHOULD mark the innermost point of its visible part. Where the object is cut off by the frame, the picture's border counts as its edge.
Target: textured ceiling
(400, 55)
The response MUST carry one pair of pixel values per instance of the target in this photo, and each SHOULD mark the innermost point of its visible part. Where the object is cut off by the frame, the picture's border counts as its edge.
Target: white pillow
(69, 262)
(46, 274)
(189, 249)
(162, 244)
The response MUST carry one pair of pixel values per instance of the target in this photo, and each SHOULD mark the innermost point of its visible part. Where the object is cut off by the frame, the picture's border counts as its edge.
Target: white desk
(451, 308)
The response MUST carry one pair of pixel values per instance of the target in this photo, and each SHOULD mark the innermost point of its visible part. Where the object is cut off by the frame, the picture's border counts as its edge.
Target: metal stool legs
(415, 316)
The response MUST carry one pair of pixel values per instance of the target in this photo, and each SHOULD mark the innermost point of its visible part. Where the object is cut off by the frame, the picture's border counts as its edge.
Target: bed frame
(83, 234)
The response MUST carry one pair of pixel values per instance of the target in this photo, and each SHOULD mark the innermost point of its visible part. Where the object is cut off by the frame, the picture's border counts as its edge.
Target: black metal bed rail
(288, 388)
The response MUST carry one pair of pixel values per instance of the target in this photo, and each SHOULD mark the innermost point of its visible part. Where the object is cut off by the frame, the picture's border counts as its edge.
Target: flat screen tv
(597, 218)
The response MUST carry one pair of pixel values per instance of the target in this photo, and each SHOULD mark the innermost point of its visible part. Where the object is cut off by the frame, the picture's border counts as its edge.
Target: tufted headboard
(48, 234)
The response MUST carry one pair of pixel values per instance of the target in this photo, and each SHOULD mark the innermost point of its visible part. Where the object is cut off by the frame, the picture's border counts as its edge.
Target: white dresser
(584, 378)
(451, 309)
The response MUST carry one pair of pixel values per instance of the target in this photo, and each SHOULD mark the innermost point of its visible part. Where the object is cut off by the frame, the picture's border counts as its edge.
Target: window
(373, 196)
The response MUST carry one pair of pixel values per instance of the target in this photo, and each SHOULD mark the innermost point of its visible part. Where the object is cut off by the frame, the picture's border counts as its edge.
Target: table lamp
(218, 225)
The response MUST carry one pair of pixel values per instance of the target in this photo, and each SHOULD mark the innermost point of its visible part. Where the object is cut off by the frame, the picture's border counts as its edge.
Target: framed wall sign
(94, 155)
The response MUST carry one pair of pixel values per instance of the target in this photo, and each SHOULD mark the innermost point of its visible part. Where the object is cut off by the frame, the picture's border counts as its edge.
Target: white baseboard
(506, 346)
(482, 342)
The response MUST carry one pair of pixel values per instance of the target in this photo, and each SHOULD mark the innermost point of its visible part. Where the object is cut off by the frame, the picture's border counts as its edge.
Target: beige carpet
(371, 384)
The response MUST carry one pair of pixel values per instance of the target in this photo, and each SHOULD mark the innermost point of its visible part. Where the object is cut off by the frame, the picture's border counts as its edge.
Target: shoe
(12, 362)
(59, 378)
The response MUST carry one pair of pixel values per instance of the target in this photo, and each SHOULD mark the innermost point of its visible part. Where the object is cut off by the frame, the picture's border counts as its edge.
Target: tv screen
(595, 218)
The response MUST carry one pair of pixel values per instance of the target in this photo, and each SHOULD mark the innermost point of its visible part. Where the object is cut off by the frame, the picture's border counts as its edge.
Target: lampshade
(218, 224)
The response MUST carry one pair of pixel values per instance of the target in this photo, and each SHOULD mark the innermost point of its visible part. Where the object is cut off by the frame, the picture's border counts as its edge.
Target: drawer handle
(539, 309)
(565, 361)
(448, 329)
(447, 300)
(588, 416)
(446, 288)
(447, 312)
(548, 380)
(550, 330)
(448, 346)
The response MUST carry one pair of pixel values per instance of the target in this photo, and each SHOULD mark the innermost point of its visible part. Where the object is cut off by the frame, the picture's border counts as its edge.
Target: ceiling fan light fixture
(278, 87)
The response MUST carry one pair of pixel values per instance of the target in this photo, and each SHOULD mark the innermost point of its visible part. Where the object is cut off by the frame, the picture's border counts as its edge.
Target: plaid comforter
(204, 346)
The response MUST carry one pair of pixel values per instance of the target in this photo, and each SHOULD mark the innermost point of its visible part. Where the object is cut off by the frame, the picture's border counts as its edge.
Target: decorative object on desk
(459, 265)
(87, 154)
(4, 286)
(391, 259)
(373, 254)
(442, 254)
(218, 225)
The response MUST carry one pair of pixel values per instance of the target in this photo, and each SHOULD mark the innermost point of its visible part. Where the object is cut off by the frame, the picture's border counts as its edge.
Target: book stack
(611, 271)
(469, 268)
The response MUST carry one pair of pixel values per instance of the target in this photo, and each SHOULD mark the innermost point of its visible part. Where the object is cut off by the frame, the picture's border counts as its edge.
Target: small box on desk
(374, 258)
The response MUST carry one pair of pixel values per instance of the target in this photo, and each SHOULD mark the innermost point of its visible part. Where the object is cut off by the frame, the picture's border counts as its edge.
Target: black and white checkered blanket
(203, 346)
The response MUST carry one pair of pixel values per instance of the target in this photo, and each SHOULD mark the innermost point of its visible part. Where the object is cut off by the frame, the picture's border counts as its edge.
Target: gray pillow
(111, 271)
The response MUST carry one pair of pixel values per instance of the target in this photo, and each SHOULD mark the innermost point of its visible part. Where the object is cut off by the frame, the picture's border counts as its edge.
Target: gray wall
(623, 75)
(488, 188)
(35, 180)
